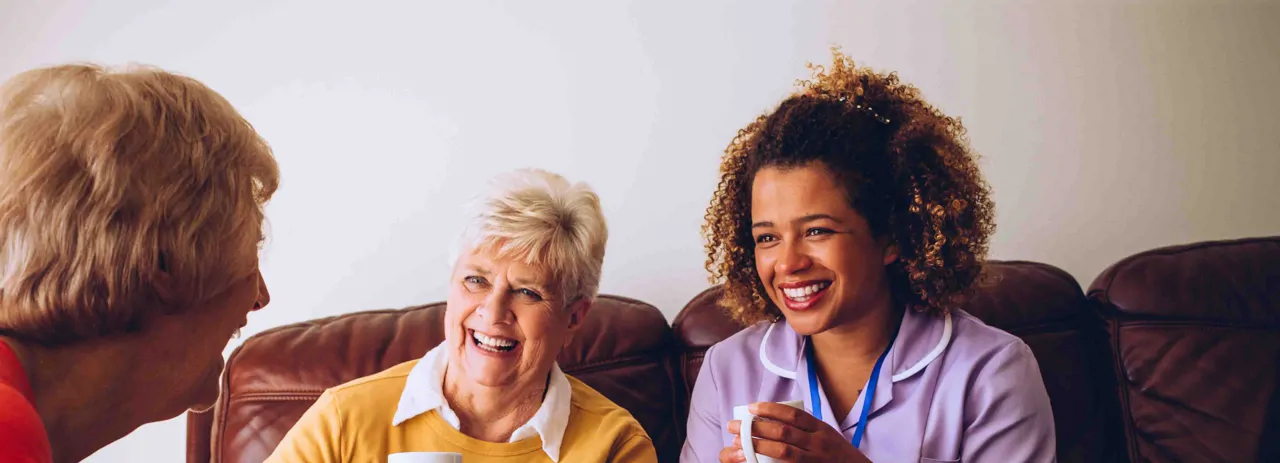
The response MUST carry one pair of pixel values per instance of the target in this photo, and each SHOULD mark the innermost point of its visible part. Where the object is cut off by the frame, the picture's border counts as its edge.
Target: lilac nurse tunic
(952, 389)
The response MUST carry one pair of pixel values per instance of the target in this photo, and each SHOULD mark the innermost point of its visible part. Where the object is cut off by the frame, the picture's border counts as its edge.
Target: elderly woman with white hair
(526, 274)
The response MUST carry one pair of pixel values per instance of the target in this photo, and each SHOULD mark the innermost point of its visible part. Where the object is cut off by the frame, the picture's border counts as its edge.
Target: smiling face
(506, 322)
(815, 255)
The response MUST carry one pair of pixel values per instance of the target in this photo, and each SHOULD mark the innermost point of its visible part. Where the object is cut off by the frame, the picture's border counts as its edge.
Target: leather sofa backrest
(1195, 333)
(277, 374)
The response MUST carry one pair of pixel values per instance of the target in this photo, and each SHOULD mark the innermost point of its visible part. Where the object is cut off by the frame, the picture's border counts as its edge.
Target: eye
(766, 238)
(475, 283)
(529, 294)
(818, 231)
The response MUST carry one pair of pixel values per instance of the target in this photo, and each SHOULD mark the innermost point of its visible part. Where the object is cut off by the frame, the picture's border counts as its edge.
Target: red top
(22, 436)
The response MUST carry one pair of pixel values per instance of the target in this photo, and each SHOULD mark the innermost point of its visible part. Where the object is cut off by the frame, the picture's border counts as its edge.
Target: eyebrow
(805, 219)
(529, 283)
(478, 269)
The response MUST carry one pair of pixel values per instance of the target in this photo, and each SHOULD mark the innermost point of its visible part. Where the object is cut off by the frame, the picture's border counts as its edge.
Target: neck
(492, 414)
(850, 350)
(859, 341)
(83, 394)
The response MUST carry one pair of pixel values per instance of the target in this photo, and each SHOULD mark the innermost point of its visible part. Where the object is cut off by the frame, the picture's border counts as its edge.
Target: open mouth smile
(803, 295)
(494, 344)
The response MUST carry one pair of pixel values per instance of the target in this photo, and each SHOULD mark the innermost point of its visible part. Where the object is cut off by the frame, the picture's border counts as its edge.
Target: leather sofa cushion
(1195, 331)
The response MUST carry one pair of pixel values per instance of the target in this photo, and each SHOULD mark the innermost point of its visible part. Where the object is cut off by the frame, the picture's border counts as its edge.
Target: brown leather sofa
(1174, 355)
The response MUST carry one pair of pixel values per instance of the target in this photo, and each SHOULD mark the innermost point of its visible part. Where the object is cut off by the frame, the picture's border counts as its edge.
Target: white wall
(1107, 127)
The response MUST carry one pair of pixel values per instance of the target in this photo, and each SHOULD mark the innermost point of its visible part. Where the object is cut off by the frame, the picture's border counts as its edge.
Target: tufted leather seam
(252, 392)
(1105, 291)
(1122, 383)
(268, 397)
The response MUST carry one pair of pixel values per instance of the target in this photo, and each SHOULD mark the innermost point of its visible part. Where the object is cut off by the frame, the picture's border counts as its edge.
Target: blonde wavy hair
(123, 194)
(540, 218)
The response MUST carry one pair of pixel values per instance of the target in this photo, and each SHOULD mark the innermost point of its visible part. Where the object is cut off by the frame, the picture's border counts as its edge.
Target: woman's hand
(792, 435)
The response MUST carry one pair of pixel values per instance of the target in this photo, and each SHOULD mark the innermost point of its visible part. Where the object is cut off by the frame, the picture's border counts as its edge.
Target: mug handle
(748, 444)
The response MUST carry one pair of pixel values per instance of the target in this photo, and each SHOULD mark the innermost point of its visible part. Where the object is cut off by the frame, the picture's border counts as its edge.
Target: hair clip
(866, 109)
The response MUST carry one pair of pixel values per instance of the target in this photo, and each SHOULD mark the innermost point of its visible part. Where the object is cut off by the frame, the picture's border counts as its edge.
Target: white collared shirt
(424, 392)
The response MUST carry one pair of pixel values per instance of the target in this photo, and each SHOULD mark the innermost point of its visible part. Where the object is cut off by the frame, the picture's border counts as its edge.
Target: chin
(205, 392)
(489, 377)
(201, 408)
(206, 399)
(805, 325)
(808, 322)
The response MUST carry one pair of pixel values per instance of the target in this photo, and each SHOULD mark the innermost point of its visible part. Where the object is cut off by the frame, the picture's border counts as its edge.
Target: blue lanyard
(866, 399)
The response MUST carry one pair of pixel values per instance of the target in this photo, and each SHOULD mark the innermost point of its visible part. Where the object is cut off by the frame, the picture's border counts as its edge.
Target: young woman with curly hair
(849, 225)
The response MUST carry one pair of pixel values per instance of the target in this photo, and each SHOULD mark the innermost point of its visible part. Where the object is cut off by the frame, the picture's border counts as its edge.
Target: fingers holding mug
(745, 424)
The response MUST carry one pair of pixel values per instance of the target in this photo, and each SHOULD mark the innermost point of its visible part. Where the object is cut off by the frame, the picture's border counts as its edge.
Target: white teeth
(492, 342)
(804, 293)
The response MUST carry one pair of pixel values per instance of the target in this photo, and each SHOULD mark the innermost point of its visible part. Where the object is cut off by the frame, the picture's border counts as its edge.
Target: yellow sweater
(351, 423)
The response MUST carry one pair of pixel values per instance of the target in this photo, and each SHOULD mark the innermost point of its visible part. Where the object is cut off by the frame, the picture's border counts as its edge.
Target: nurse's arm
(1007, 414)
(706, 428)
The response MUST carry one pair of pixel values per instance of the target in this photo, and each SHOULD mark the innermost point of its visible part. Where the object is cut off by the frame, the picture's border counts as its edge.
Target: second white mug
(425, 457)
(748, 445)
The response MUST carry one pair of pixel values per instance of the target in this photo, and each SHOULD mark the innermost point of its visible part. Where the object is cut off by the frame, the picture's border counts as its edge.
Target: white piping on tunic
(924, 362)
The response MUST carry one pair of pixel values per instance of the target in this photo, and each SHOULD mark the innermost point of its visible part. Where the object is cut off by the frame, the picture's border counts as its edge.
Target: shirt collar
(424, 392)
(918, 336)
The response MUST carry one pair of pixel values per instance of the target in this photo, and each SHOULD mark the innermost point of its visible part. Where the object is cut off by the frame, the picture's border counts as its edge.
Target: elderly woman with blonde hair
(525, 275)
(130, 217)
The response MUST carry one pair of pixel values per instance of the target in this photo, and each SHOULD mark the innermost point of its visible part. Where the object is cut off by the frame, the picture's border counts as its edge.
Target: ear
(577, 314)
(890, 251)
(163, 284)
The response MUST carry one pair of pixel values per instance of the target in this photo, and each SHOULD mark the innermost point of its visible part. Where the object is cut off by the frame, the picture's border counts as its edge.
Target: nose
(496, 308)
(793, 259)
(264, 295)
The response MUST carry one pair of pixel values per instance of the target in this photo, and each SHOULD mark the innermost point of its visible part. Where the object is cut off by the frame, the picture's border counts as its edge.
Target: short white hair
(544, 220)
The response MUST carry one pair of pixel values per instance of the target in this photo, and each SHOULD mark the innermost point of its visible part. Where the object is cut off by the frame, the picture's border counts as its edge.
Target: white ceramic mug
(425, 457)
(748, 445)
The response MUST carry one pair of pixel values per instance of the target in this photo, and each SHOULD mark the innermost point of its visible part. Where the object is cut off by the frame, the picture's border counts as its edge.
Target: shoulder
(742, 350)
(597, 425)
(747, 339)
(979, 344)
(593, 409)
(374, 390)
(22, 435)
(1000, 366)
(391, 378)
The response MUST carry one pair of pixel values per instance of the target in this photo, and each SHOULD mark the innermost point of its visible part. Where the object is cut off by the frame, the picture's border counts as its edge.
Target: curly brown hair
(906, 167)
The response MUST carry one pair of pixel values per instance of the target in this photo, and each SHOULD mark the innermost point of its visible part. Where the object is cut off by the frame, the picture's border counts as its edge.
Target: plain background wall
(1106, 127)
